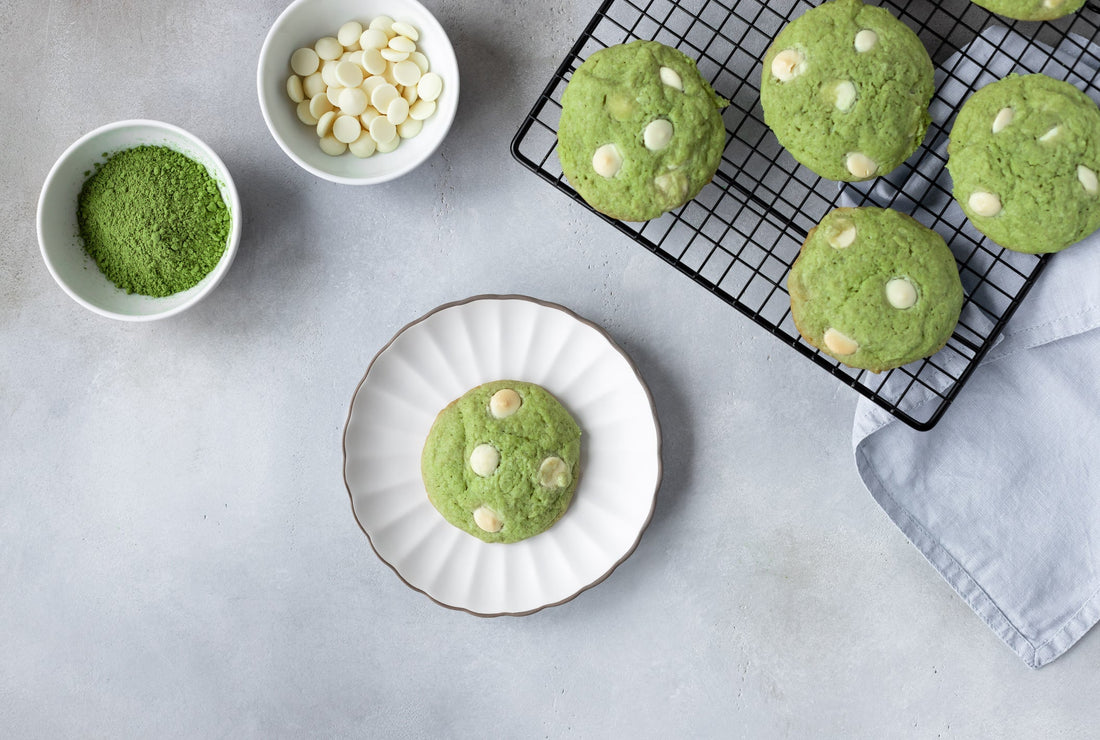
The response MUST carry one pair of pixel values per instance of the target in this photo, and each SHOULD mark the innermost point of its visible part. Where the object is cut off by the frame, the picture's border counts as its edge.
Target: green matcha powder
(153, 220)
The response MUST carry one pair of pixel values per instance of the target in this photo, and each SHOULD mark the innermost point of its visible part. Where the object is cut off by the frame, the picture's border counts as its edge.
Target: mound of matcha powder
(153, 220)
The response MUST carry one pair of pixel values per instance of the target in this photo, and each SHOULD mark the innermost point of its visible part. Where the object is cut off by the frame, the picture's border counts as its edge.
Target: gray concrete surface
(178, 557)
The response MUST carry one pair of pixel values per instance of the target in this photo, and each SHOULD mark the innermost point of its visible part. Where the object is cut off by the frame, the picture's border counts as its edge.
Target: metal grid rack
(740, 235)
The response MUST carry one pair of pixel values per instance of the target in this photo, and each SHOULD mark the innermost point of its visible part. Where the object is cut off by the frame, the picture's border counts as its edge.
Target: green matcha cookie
(1024, 156)
(845, 88)
(502, 461)
(875, 289)
(641, 131)
(1032, 10)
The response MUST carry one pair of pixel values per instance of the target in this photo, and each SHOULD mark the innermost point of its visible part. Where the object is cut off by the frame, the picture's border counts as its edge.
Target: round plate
(436, 359)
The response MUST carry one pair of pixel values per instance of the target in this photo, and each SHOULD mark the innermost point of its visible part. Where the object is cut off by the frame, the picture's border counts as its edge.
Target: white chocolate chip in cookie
(901, 294)
(484, 460)
(866, 40)
(1052, 4)
(843, 234)
(984, 204)
(607, 161)
(1051, 135)
(487, 519)
(1003, 119)
(844, 95)
(839, 343)
(657, 135)
(673, 184)
(671, 77)
(1088, 179)
(504, 403)
(553, 473)
(788, 64)
(860, 165)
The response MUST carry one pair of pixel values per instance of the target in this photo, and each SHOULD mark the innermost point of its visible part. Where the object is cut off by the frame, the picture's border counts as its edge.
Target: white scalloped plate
(436, 359)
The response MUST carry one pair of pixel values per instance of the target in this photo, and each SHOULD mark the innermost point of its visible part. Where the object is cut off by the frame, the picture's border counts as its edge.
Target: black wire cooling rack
(740, 235)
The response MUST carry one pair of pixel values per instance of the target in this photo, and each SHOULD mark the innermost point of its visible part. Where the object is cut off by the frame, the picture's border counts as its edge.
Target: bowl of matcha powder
(138, 220)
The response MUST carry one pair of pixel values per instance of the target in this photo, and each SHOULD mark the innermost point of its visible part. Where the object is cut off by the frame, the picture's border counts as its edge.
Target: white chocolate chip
(860, 165)
(405, 30)
(319, 106)
(388, 146)
(324, 122)
(383, 132)
(673, 184)
(353, 101)
(294, 89)
(788, 64)
(346, 128)
(1052, 4)
(487, 519)
(349, 74)
(553, 473)
(304, 62)
(607, 161)
(349, 34)
(843, 234)
(839, 343)
(313, 85)
(422, 109)
(984, 204)
(901, 294)
(484, 460)
(657, 135)
(844, 95)
(383, 95)
(332, 147)
(865, 40)
(402, 44)
(1003, 119)
(409, 128)
(328, 48)
(1050, 135)
(1088, 179)
(406, 73)
(383, 23)
(430, 86)
(672, 78)
(393, 55)
(372, 38)
(304, 115)
(364, 146)
(504, 403)
(398, 111)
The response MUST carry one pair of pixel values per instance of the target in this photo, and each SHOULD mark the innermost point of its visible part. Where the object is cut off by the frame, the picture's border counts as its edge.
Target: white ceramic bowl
(58, 233)
(301, 24)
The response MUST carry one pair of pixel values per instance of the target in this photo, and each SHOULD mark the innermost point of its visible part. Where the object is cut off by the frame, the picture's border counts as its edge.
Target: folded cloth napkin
(1001, 495)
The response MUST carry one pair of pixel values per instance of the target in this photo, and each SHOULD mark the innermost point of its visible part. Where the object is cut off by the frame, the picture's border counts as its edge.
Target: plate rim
(613, 344)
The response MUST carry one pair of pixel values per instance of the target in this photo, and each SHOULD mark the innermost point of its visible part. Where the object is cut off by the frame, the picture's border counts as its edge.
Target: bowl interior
(58, 232)
(301, 24)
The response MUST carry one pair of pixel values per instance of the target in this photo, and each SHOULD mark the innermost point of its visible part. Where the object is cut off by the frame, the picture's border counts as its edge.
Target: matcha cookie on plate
(875, 289)
(641, 131)
(1024, 158)
(1032, 10)
(845, 88)
(502, 461)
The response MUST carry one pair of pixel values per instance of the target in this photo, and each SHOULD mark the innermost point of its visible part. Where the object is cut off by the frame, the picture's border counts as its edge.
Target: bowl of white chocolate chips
(357, 92)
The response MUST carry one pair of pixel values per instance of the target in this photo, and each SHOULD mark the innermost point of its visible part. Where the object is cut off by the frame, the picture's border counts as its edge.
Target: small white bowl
(58, 233)
(301, 24)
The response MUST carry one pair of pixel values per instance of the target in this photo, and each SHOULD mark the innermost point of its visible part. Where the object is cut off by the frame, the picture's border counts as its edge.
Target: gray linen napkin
(1001, 496)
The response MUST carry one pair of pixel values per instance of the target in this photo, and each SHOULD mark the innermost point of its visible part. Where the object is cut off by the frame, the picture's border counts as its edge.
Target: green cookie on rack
(1032, 10)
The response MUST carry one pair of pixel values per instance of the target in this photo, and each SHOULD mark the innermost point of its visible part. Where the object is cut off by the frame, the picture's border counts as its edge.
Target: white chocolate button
(325, 121)
(329, 47)
(328, 72)
(373, 62)
(304, 115)
(844, 95)
(383, 95)
(294, 89)
(349, 34)
(332, 147)
(402, 44)
(1050, 135)
(382, 131)
(406, 30)
(409, 128)
(393, 55)
(422, 109)
(788, 64)
(333, 95)
(353, 101)
(984, 204)
(372, 83)
(385, 147)
(372, 38)
(672, 78)
(367, 116)
(409, 94)
(406, 73)
(860, 165)
(843, 234)
(484, 460)
(319, 106)
(364, 146)
(429, 86)
(349, 74)
(398, 111)
(657, 135)
(901, 294)
(607, 161)
(420, 61)
(487, 519)
(1088, 179)
(839, 343)
(504, 403)
(553, 473)
(865, 40)
(1003, 119)
(313, 85)
(383, 23)
(672, 184)
(304, 62)
(346, 128)
(1052, 4)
